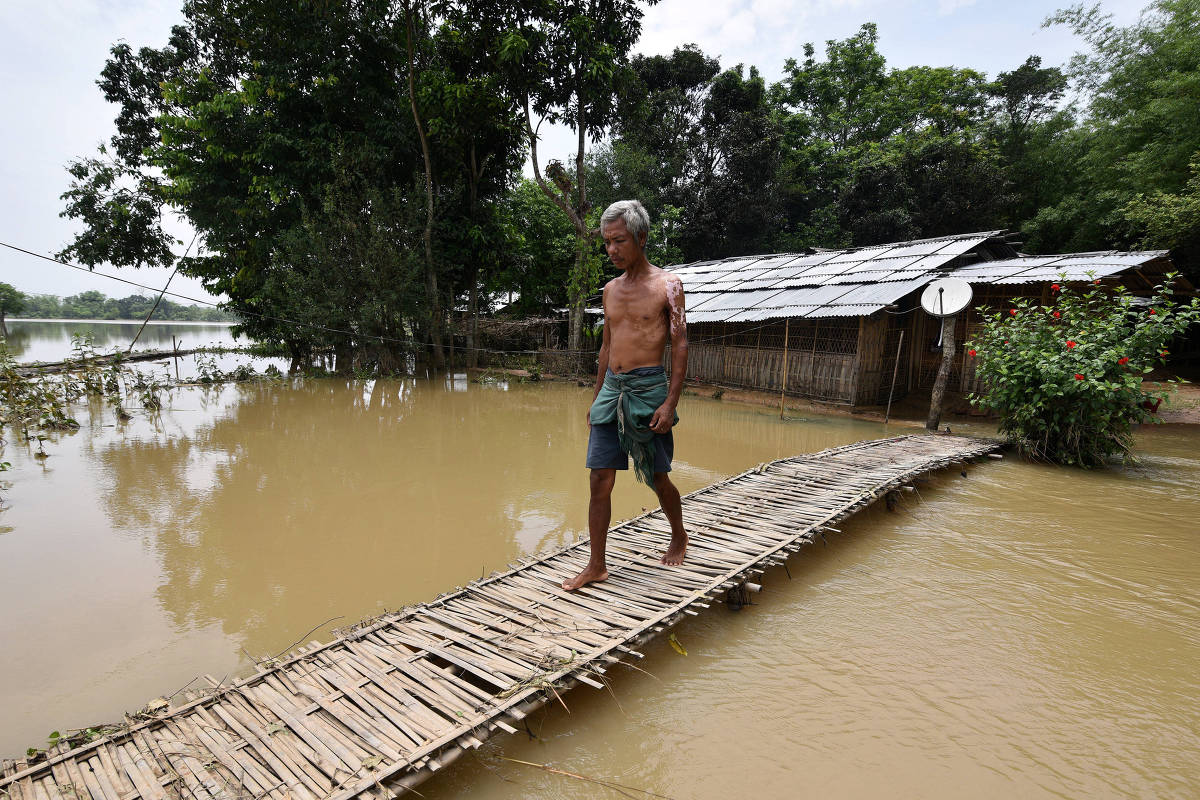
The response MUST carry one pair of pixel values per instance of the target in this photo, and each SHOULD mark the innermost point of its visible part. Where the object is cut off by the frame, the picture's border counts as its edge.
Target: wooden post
(724, 348)
(786, 329)
(943, 373)
(757, 377)
(895, 368)
(175, 350)
(812, 358)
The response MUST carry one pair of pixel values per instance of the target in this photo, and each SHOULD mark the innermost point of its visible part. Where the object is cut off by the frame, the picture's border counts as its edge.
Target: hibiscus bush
(1066, 379)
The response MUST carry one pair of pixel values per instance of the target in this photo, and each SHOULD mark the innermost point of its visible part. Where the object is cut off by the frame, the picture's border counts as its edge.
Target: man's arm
(664, 417)
(603, 359)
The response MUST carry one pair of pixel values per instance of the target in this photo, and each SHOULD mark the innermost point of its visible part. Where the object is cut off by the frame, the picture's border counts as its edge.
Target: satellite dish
(946, 296)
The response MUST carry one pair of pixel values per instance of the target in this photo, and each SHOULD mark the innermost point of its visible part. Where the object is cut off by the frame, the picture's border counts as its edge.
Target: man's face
(623, 249)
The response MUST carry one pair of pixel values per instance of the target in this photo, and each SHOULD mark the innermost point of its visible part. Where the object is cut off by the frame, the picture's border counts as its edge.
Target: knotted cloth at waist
(631, 398)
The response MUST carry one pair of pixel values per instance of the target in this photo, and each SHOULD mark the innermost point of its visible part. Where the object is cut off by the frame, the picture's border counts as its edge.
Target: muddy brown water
(1025, 631)
(50, 340)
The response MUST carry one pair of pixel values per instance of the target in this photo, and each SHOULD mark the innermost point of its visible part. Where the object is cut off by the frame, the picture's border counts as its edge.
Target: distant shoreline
(120, 321)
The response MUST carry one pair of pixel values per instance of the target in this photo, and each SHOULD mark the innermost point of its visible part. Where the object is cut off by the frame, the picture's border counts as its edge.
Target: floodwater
(50, 340)
(1026, 631)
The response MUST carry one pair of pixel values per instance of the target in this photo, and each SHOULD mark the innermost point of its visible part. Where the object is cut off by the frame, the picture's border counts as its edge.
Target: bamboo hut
(840, 325)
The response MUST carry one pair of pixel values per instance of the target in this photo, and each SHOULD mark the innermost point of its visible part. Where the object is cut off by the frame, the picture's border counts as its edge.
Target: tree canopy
(353, 167)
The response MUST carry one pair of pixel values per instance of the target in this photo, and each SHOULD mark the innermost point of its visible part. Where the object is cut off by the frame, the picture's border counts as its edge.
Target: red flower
(1078, 377)
(1070, 344)
(1056, 315)
(1097, 281)
(1054, 287)
(1152, 311)
(971, 353)
(1164, 353)
(1006, 341)
(1123, 361)
(1012, 311)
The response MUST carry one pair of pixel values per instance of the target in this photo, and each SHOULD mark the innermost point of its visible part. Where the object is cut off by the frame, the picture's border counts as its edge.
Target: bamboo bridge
(382, 707)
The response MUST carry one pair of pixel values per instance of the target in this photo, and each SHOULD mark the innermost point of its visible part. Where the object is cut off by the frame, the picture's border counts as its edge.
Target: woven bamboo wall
(928, 329)
(821, 356)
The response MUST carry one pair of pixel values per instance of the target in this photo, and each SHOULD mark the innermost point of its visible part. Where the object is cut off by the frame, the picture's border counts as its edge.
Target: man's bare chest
(636, 307)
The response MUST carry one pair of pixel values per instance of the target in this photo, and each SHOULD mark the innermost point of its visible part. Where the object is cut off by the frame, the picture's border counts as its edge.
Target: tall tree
(238, 125)
(1028, 127)
(568, 66)
(700, 146)
(1141, 125)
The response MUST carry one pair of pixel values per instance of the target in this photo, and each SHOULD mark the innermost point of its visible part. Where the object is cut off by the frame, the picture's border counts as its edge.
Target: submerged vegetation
(1066, 378)
(34, 406)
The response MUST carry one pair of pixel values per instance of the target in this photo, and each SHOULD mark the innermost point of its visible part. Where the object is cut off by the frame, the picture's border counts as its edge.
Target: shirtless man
(642, 307)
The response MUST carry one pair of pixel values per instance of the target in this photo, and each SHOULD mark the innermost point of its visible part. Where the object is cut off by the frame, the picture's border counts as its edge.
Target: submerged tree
(12, 301)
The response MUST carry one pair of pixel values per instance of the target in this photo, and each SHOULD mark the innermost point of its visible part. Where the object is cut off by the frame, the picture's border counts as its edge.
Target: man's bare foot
(590, 574)
(676, 551)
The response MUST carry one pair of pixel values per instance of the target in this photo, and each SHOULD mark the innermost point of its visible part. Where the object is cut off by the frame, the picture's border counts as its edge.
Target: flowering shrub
(1066, 379)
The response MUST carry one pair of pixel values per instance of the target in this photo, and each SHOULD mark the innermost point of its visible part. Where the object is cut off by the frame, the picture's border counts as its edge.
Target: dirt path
(1182, 406)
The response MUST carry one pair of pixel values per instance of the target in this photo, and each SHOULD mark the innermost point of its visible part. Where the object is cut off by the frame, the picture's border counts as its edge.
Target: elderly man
(633, 407)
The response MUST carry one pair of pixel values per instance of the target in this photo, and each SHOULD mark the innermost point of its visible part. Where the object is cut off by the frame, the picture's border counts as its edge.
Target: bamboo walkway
(381, 708)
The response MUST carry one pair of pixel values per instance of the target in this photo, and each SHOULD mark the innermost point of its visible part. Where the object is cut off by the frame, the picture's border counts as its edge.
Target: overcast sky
(51, 52)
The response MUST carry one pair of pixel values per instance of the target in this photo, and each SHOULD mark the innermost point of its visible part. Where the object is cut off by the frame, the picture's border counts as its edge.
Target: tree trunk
(431, 287)
(943, 373)
(473, 325)
(343, 358)
(575, 300)
(577, 214)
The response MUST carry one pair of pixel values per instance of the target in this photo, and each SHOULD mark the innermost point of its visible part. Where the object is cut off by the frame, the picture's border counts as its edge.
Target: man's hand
(663, 418)
(588, 414)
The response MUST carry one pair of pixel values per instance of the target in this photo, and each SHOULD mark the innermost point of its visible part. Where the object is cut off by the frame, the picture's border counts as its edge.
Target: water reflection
(342, 498)
(50, 340)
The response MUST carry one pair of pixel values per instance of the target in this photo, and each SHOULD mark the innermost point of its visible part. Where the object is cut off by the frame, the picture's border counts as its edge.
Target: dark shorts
(604, 449)
(604, 446)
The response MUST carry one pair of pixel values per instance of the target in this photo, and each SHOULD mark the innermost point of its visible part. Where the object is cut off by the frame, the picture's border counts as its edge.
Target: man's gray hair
(637, 221)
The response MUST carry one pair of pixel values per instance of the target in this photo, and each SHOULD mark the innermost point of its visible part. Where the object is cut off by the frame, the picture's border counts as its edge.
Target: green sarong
(632, 400)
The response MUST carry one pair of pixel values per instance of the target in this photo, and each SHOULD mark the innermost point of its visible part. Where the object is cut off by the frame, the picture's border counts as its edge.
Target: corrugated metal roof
(811, 284)
(1072, 266)
(838, 283)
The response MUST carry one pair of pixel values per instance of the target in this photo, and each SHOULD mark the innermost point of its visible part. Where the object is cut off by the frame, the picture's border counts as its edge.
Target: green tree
(1141, 128)
(239, 124)
(568, 65)
(845, 100)
(874, 155)
(1170, 220)
(478, 131)
(538, 260)
(12, 301)
(924, 186)
(86, 305)
(700, 147)
(43, 306)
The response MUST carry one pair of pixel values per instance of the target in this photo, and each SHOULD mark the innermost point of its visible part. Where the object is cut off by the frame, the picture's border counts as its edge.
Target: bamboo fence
(382, 707)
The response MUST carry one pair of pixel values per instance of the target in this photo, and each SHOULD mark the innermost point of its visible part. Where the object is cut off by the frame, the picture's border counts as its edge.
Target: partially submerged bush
(1066, 379)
